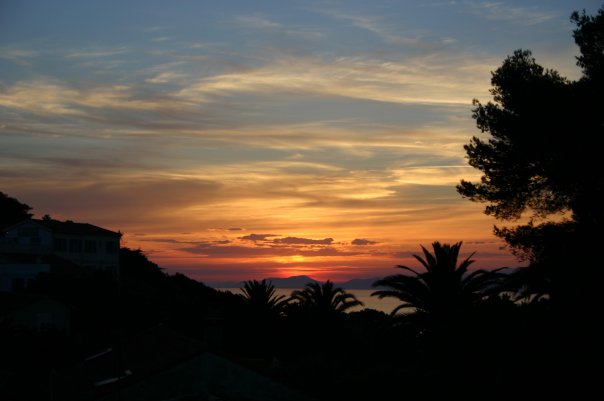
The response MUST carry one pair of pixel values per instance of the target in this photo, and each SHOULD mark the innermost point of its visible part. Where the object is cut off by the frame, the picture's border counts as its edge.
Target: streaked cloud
(362, 241)
(49, 97)
(382, 29)
(261, 22)
(499, 11)
(18, 56)
(257, 237)
(165, 77)
(257, 21)
(305, 241)
(436, 175)
(95, 53)
(449, 80)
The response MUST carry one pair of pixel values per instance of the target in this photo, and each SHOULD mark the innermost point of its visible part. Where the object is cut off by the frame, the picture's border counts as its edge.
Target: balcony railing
(31, 249)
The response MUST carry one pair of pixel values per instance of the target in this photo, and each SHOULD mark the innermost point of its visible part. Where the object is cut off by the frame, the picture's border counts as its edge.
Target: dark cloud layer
(304, 241)
(256, 237)
(218, 250)
(362, 241)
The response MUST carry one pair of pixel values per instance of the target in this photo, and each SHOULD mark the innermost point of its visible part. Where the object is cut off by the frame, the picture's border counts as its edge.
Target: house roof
(72, 228)
(142, 354)
(161, 363)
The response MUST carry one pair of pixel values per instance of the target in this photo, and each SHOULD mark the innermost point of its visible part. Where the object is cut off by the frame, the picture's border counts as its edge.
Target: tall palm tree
(445, 286)
(262, 299)
(325, 299)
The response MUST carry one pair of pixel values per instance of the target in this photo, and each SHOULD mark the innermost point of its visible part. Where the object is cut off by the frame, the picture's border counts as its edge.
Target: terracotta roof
(70, 227)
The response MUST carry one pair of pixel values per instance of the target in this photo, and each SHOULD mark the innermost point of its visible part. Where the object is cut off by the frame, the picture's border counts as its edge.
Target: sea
(385, 305)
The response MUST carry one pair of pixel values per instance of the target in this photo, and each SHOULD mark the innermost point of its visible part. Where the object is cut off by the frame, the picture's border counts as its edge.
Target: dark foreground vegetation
(464, 338)
(533, 333)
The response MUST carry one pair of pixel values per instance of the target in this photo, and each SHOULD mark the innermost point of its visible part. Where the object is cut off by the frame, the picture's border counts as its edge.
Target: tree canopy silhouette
(445, 286)
(262, 299)
(12, 211)
(542, 155)
(325, 299)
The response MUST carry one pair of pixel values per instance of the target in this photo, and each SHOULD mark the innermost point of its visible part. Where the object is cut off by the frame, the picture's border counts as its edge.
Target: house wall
(44, 314)
(92, 252)
(27, 237)
(14, 277)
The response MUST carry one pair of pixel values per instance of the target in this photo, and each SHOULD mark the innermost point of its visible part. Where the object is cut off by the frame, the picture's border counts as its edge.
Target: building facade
(27, 247)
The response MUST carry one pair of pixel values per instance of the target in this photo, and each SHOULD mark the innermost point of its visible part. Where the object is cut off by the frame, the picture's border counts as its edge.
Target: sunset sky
(247, 139)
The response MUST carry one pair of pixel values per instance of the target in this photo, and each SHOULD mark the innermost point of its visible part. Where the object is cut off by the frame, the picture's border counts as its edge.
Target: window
(75, 245)
(110, 269)
(18, 284)
(27, 231)
(90, 246)
(44, 320)
(110, 247)
(60, 244)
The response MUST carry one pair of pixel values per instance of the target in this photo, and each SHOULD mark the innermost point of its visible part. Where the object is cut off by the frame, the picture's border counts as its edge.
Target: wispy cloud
(435, 175)
(420, 81)
(156, 28)
(499, 11)
(257, 237)
(298, 206)
(257, 21)
(210, 250)
(261, 22)
(95, 53)
(18, 56)
(56, 98)
(377, 26)
(304, 241)
(362, 241)
(166, 77)
(393, 33)
(193, 106)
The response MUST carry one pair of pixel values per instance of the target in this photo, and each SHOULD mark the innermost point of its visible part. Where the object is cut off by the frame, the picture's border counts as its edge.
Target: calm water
(384, 305)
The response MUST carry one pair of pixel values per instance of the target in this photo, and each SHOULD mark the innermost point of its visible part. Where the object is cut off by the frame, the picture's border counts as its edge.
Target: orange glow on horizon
(290, 259)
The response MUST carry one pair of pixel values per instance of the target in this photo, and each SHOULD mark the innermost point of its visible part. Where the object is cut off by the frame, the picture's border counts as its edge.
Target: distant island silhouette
(299, 282)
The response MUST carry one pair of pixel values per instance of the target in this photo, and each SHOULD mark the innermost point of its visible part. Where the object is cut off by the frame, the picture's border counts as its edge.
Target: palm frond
(408, 268)
(444, 287)
(325, 298)
(400, 307)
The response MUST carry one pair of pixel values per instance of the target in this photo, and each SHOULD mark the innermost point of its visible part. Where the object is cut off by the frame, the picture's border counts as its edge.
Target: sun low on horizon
(239, 140)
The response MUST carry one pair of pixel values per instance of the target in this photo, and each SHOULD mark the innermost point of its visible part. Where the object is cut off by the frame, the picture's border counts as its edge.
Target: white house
(17, 274)
(34, 311)
(25, 249)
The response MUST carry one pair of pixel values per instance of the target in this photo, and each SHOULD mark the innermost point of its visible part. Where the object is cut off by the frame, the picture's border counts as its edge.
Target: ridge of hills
(295, 282)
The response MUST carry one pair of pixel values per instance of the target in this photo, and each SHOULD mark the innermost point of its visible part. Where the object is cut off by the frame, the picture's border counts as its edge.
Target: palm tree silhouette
(443, 289)
(325, 299)
(261, 298)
